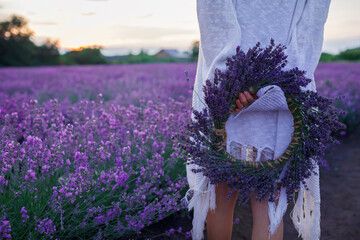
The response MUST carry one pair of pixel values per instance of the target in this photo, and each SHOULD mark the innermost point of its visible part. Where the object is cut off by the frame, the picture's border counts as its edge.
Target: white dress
(226, 24)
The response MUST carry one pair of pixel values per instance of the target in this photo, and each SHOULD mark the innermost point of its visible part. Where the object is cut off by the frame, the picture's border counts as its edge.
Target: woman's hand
(244, 100)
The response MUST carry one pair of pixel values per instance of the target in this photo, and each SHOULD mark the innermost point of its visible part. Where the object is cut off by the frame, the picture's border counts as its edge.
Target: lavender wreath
(315, 122)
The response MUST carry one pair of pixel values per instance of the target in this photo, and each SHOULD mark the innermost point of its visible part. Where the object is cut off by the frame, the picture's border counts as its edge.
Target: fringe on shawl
(306, 212)
(203, 198)
(277, 212)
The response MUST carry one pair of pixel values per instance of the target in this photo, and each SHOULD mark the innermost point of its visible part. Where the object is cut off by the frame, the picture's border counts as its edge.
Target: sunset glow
(83, 47)
(123, 24)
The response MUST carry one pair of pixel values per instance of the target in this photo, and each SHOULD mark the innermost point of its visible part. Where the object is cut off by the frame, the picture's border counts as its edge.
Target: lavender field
(87, 152)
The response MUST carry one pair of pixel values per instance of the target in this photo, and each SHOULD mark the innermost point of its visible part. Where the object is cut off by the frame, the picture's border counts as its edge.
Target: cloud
(146, 16)
(138, 32)
(45, 23)
(89, 14)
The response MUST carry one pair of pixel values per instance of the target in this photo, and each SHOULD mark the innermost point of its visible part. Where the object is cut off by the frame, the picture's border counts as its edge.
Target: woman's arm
(304, 48)
(220, 33)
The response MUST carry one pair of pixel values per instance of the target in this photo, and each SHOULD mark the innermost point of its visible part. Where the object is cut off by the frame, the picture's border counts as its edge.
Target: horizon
(122, 27)
(110, 52)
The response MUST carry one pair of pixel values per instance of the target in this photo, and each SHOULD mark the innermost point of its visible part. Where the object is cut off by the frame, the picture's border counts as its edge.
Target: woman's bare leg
(219, 223)
(261, 221)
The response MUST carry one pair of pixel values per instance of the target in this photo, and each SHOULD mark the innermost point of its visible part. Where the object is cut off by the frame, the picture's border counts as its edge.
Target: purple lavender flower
(46, 227)
(24, 215)
(5, 228)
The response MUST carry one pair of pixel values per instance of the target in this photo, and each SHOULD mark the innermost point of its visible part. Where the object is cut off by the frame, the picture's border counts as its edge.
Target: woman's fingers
(245, 99)
(238, 105)
(249, 98)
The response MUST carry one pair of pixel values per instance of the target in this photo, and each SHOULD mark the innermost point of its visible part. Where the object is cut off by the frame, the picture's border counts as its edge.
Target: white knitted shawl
(226, 24)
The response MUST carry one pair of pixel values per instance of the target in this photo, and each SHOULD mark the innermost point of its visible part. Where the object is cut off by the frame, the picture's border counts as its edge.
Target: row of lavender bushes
(86, 152)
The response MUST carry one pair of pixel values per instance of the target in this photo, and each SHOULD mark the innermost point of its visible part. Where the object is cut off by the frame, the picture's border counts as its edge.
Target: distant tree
(85, 55)
(16, 48)
(48, 53)
(327, 57)
(15, 28)
(350, 54)
(195, 50)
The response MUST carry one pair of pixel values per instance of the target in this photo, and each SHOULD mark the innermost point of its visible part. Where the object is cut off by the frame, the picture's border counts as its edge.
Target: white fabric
(225, 24)
(203, 198)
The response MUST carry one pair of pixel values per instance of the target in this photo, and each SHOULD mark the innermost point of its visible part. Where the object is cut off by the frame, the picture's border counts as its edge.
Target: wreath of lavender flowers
(315, 122)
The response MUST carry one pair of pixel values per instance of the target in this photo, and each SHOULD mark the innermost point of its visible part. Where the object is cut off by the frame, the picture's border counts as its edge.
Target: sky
(121, 26)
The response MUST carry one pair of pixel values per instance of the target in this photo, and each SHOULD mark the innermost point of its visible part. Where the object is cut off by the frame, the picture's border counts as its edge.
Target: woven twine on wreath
(296, 136)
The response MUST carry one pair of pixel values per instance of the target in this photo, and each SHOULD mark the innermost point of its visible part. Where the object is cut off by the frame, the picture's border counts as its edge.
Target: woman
(224, 25)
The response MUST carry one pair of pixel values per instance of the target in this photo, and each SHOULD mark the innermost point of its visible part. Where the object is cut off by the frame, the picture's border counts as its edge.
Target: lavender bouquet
(315, 121)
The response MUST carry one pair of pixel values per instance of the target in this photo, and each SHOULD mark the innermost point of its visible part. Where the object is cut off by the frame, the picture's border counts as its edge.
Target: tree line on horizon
(17, 49)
